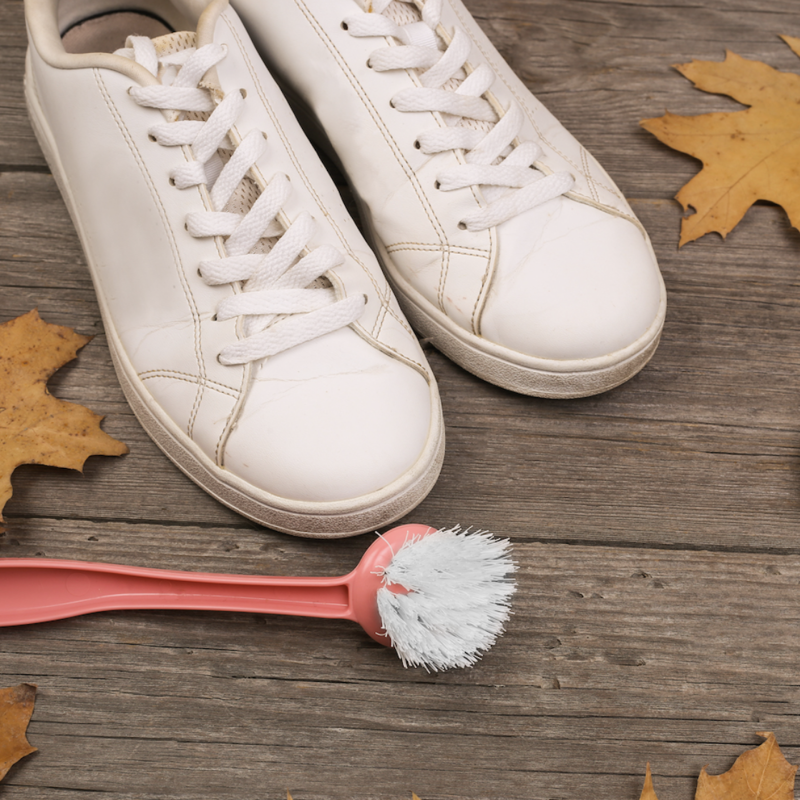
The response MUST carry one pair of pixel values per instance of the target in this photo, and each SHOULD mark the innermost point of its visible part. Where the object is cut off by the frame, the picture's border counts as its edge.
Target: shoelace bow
(510, 182)
(279, 309)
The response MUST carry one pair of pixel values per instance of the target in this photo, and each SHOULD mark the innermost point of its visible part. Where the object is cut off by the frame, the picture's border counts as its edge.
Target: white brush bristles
(459, 588)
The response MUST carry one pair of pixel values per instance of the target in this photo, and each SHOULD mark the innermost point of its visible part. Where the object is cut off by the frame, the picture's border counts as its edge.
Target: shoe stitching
(362, 95)
(380, 316)
(480, 301)
(401, 321)
(168, 229)
(528, 111)
(461, 251)
(454, 249)
(386, 303)
(295, 161)
(589, 177)
(380, 320)
(189, 378)
(388, 310)
(219, 449)
(396, 314)
(445, 268)
(198, 399)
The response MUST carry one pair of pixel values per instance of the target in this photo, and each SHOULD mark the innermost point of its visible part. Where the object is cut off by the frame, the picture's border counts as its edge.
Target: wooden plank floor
(657, 526)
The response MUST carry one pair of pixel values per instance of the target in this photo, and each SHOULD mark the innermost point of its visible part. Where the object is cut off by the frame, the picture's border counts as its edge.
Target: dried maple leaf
(747, 155)
(648, 792)
(16, 707)
(756, 775)
(35, 427)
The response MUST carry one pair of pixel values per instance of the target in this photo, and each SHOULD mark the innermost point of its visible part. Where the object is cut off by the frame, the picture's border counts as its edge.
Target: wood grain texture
(657, 527)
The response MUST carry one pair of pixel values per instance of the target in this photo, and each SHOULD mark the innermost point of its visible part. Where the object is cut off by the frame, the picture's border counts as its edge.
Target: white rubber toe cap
(331, 420)
(572, 282)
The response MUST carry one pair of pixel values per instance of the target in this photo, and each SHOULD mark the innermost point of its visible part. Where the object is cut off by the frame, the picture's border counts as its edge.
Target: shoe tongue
(172, 43)
(402, 13)
(164, 60)
(405, 14)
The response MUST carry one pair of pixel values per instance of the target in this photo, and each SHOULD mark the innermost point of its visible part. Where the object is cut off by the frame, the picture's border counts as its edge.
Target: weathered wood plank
(655, 526)
(18, 145)
(612, 654)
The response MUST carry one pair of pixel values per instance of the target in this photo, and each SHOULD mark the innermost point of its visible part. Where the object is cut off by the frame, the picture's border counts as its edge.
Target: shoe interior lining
(106, 33)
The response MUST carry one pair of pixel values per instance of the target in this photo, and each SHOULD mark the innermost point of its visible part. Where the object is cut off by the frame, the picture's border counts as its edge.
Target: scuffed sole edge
(472, 353)
(311, 520)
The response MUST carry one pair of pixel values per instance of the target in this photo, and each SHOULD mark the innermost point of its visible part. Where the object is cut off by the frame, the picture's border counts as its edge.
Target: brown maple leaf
(35, 427)
(16, 707)
(756, 775)
(648, 792)
(747, 155)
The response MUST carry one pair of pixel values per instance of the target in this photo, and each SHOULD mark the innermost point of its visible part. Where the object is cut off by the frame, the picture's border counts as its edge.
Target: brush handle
(44, 589)
(41, 590)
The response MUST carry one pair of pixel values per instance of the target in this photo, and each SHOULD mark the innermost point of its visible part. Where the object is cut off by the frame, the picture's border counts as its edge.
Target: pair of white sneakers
(252, 328)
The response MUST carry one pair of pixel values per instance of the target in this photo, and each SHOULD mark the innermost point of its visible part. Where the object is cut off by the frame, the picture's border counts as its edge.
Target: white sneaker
(252, 330)
(507, 244)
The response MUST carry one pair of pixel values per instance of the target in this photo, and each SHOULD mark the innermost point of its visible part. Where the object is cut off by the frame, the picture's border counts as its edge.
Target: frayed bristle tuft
(459, 588)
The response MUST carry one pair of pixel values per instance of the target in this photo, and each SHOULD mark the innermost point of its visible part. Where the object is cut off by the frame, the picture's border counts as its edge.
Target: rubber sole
(300, 518)
(518, 372)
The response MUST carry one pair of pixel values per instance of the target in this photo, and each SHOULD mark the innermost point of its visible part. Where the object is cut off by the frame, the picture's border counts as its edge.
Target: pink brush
(441, 598)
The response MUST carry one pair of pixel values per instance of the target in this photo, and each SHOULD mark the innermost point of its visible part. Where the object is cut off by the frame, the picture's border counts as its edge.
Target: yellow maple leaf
(16, 707)
(35, 427)
(756, 775)
(747, 155)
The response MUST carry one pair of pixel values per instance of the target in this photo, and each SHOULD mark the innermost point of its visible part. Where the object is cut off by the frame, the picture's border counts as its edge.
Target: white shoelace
(504, 168)
(279, 309)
